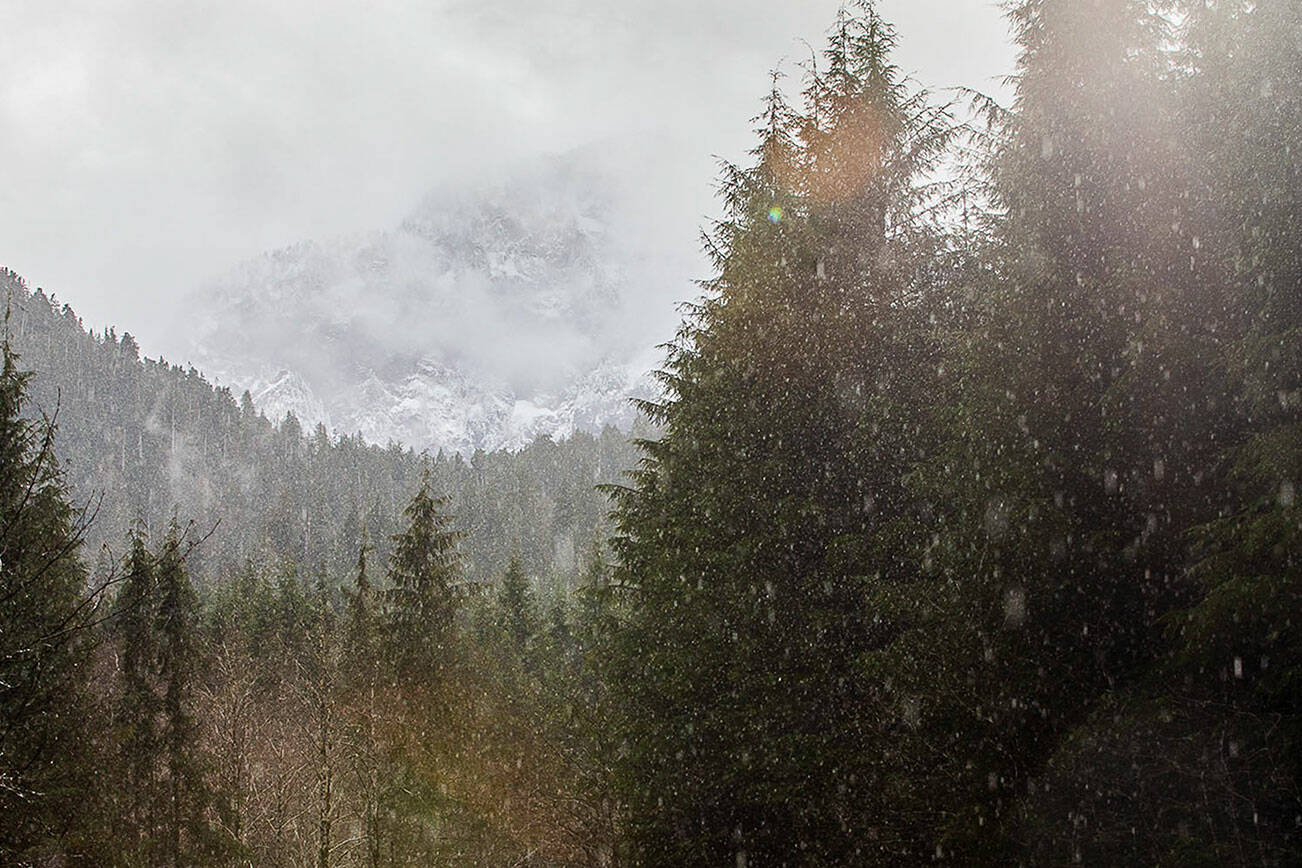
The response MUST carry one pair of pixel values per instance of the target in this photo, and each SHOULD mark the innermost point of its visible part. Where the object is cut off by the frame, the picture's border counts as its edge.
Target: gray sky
(146, 145)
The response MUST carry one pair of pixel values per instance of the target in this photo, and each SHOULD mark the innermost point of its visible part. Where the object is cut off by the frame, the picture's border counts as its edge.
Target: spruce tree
(138, 705)
(1249, 60)
(361, 671)
(185, 836)
(517, 615)
(423, 575)
(1034, 599)
(45, 613)
(320, 678)
(361, 657)
(1239, 642)
(745, 540)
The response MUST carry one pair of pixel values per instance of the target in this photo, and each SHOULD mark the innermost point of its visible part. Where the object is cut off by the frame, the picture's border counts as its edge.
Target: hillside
(143, 438)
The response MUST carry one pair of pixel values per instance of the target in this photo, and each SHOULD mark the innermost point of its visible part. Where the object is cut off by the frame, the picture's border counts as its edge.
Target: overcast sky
(146, 145)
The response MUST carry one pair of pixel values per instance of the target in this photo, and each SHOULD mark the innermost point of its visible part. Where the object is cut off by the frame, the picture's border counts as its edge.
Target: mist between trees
(965, 530)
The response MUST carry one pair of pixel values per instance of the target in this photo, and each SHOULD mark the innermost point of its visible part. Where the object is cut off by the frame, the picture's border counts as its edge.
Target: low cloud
(148, 145)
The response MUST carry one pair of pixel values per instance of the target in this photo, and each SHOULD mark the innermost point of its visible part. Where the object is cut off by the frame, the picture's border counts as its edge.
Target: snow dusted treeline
(155, 440)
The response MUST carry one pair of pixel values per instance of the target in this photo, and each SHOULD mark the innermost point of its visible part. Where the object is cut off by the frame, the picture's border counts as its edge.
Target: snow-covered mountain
(488, 317)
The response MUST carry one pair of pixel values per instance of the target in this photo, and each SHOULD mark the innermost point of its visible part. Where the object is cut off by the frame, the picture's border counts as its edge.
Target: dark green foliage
(916, 543)
(1212, 732)
(360, 634)
(1251, 65)
(1043, 573)
(361, 670)
(424, 582)
(163, 802)
(185, 839)
(46, 608)
(517, 614)
(747, 541)
(970, 534)
(138, 704)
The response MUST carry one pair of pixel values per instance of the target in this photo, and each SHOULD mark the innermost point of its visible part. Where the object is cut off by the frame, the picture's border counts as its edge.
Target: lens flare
(775, 214)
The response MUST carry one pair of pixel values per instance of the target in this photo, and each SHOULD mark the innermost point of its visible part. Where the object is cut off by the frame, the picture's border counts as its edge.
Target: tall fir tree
(1248, 64)
(362, 673)
(744, 541)
(421, 597)
(186, 836)
(517, 612)
(138, 703)
(1043, 575)
(46, 609)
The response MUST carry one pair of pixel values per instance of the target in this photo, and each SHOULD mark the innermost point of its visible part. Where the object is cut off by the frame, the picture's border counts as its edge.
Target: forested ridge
(966, 532)
(143, 439)
(228, 642)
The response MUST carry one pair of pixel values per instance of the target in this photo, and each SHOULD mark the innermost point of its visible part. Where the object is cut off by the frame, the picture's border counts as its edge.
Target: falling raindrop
(1014, 607)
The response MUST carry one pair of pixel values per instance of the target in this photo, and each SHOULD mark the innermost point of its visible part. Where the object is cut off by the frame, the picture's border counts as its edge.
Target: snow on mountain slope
(487, 318)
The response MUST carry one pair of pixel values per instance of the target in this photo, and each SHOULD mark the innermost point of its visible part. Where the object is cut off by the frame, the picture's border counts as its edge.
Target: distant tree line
(393, 714)
(153, 440)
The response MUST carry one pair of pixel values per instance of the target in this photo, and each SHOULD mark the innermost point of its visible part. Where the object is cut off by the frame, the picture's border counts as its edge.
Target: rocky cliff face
(487, 318)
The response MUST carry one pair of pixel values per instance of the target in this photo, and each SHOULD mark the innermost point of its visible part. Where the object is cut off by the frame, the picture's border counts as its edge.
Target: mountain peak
(490, 316)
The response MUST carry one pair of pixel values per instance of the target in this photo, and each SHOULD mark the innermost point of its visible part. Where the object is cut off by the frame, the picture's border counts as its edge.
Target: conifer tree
(186, 836)
(420, 600)
(361, 658)
(744, 540)
(45, 612)
(320, 681)
(1240, 648)
(138, 706)
(517, 614)
(1248, 58)
(361, 674)
(1043, 576)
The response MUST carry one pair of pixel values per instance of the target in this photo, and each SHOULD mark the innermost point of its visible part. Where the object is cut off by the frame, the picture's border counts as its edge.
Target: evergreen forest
(963, 532)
